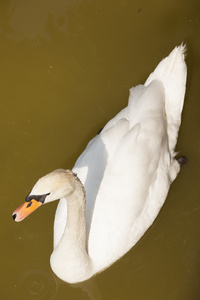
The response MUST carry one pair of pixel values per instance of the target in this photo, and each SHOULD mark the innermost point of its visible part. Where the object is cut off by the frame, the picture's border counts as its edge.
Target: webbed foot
(182, 160)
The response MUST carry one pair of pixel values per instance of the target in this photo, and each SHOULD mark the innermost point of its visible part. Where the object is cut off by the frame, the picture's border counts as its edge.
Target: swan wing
(131, 174)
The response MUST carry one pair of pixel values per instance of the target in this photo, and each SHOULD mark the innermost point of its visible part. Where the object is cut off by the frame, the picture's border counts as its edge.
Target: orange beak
(25, 209)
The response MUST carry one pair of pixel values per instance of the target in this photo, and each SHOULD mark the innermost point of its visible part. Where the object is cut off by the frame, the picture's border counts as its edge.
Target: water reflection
(34, 284)
(91, 288)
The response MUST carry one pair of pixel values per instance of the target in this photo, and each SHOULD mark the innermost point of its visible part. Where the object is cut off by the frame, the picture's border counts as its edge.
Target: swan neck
(76, 215)
(70, 260)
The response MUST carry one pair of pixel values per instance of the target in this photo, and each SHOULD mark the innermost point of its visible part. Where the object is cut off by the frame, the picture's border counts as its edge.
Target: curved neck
(76, 216)
(70, 260)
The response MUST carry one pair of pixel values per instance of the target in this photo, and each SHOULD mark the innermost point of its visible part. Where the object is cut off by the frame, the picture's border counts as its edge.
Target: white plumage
(126, 171)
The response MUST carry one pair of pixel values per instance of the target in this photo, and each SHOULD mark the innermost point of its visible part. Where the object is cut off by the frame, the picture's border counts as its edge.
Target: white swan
(125, 173)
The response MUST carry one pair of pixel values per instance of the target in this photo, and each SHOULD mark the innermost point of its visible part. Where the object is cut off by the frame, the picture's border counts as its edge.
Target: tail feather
(172, 72)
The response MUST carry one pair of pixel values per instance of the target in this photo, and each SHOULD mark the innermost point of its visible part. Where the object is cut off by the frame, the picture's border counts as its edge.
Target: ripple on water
(34, 284)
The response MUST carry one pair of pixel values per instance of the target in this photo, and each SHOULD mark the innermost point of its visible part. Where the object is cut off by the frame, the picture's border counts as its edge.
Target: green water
(65, 70)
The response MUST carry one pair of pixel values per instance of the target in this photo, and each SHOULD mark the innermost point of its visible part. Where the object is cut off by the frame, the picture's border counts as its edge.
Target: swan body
(122, 180)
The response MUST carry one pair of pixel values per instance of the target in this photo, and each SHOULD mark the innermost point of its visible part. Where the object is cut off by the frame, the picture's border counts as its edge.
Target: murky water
(65, 70)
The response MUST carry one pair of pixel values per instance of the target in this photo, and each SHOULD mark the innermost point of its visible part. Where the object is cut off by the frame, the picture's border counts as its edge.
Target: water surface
(65, 70)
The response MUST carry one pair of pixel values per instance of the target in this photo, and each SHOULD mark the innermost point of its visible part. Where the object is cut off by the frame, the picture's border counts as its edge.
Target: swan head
(53, 186)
